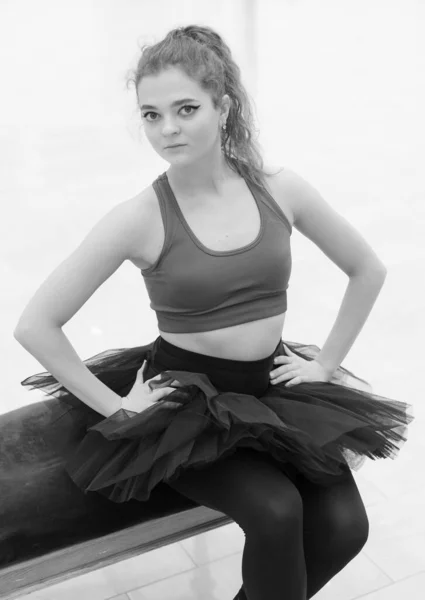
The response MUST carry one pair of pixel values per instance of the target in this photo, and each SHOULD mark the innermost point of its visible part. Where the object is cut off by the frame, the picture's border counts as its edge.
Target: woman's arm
(357, 303)
(39, 330)
(344, 245)
(53, 350)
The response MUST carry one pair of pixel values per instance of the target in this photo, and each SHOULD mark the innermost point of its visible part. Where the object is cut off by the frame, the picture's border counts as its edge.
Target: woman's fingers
(140, 372)
(283, 360)
(283, 370)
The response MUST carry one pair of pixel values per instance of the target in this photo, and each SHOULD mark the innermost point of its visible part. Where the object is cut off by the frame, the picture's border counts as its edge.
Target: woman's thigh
(246, 486)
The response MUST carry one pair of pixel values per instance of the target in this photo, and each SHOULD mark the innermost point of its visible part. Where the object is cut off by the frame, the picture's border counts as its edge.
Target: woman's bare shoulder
(141, 212)
(275, 178)
(140, 205)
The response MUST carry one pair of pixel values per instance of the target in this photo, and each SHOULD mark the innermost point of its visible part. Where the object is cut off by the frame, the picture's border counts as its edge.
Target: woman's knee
(349, 530)
(359, 530)
(279, 515)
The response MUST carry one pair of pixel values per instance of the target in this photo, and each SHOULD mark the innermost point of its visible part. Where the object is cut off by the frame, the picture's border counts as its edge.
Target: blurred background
(338, 91)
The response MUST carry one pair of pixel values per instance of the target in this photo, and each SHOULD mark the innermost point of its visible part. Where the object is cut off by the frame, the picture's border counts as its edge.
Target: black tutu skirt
(317, 429)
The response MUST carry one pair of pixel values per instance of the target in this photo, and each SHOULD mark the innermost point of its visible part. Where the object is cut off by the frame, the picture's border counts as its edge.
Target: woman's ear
(226, 103)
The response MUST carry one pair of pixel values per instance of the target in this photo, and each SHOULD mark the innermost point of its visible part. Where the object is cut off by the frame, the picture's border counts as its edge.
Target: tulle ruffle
(317, 428)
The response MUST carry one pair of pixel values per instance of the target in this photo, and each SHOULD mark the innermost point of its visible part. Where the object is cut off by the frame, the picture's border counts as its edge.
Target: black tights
(298, 535)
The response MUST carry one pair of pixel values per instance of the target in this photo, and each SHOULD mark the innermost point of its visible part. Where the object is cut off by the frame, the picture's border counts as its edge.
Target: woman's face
(194, 122)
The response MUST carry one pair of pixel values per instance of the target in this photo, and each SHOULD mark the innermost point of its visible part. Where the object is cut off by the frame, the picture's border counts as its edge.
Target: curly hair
(204, 56)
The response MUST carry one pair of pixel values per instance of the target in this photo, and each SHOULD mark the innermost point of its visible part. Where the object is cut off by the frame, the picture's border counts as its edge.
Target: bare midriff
(247, 341)
(219, 226)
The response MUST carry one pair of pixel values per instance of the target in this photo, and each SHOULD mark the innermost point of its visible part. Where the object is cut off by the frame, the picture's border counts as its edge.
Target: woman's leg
(267, 506)
(336, 528)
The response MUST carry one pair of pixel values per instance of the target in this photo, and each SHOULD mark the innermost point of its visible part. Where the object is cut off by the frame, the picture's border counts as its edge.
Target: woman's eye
(188, 106)
(182, 108)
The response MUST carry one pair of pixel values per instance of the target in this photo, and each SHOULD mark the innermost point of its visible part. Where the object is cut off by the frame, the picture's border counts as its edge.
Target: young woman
(218, 407)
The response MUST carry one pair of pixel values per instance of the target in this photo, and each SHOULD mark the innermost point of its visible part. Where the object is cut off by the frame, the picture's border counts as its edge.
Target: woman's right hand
(142, 397)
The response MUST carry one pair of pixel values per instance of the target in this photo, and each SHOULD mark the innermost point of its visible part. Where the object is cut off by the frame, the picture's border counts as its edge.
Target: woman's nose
(169, 128)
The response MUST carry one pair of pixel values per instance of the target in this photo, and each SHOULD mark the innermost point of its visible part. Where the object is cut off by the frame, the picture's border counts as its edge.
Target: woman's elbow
(27, 330)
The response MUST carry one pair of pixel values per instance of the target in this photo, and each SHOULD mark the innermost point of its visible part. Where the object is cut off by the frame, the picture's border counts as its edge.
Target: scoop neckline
(198, 241)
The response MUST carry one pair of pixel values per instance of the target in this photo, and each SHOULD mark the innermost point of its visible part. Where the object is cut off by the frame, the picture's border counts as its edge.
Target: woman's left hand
(296, 370)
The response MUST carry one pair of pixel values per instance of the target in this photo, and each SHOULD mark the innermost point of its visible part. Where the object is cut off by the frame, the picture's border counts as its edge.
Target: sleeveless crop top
(192, 288)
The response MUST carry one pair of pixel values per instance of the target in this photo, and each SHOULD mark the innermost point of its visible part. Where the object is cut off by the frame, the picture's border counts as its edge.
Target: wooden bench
(50, 530)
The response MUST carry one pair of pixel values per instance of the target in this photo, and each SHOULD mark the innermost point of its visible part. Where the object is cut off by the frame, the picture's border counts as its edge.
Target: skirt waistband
(203, 362)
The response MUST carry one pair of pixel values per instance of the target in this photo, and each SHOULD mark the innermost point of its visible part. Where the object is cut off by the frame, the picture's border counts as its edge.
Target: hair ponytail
(205, 57)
